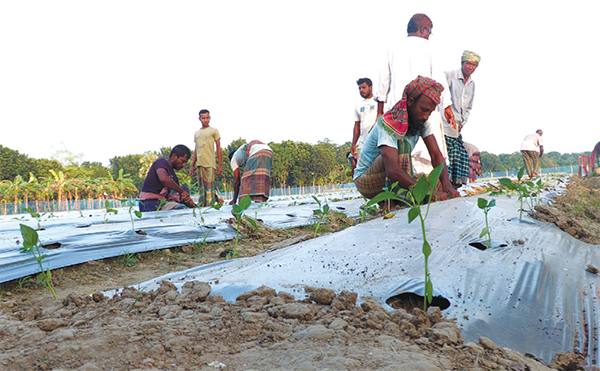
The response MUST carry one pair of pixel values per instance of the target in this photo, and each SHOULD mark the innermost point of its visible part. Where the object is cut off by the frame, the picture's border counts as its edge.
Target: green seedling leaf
(138, 213)
(521, 172)
(30, 236)
(420, 189)
(426, 249)
(413, 213)
(484, 231)
(429, 291)
(434, 176)
(383, 196)
(491, 204)
(482, 203)
(253, 222)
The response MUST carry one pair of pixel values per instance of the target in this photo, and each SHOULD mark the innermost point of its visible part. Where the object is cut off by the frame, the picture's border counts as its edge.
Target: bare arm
(236, 186)
(193, 166)
(164, 178)
(541, 150)
(436, 159)
(379, 109)
(392, 167)
(219, 156)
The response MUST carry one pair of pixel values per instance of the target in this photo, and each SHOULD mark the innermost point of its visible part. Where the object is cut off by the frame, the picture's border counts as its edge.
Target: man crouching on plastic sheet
(161, 187)
(385, 155)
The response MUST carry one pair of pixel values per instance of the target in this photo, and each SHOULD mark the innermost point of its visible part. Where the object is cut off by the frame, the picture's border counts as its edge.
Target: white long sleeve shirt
(413, 57)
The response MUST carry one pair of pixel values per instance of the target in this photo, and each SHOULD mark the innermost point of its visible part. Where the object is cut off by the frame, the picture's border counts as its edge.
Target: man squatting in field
(386, 152)
(161, 186)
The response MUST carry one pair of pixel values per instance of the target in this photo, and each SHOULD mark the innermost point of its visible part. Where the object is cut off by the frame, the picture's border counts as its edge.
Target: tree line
(294, 164)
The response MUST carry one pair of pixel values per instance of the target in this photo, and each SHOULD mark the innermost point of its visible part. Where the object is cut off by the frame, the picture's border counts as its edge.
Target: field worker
(161, 187)
(386, 151)
(529, 151)
(203, 161)
(256, 159)
(462, 91)
(365, 115)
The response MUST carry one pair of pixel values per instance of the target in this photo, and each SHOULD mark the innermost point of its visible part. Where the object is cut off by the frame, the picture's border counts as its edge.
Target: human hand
(449, 115)
(353, 150)
(192, 169)
(219, 170)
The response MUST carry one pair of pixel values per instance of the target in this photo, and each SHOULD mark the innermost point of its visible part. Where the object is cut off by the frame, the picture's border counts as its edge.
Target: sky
(111, 78)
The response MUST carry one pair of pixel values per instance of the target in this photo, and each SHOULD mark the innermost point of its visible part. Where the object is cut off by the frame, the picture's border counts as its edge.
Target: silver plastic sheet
(529, 292)
(93, 235)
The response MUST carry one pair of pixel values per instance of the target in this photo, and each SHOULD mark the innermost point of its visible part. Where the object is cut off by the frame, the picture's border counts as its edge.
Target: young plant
(160, 206)
(132, 212)
(484, 205)
(35, 215)
(423, 191)
(32, 245)
(523, 189)
(322, 213)
(238, 211)
(107, 211)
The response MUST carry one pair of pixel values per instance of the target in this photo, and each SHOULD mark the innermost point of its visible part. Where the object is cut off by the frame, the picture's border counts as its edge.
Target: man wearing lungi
(529, 150)
(161, 187)
(256, 158)
(462, 91)
(386, 151)
(203, 161)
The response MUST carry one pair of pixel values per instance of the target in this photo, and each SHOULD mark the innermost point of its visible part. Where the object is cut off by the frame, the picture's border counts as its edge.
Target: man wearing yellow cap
(462, 91)
(386, 151)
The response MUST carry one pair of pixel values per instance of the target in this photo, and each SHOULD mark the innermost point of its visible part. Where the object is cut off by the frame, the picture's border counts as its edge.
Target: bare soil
(263, 330)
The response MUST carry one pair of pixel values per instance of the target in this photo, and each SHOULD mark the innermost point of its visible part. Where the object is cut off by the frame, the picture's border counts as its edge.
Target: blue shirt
(378, 137)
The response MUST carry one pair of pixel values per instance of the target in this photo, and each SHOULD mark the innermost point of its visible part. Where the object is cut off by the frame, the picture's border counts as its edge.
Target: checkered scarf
(395, 121)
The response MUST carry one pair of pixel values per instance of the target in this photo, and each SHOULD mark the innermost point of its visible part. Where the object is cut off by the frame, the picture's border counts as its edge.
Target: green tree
(131, 165)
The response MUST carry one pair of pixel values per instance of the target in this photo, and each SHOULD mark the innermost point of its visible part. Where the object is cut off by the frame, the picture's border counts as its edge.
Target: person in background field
(203, 161)
(411, 57)
(462, 91)
(474, 161)
(595, 156)
(529, 150)
(386, 151)
(256, 159)
(365, 115)
(161, 187)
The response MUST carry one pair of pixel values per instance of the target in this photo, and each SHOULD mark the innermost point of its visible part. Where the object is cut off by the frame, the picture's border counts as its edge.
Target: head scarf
(395, 121)
(470, 57)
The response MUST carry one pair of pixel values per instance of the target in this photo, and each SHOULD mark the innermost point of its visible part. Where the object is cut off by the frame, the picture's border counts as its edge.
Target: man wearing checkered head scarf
(385, 156)
(462, 91)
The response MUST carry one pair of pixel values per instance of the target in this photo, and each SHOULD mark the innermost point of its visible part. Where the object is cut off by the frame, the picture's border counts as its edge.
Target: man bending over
(386, 151)
(161, 186)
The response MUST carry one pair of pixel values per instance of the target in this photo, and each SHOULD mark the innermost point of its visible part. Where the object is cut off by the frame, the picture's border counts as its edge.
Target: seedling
(32, 245)
(366, 210)
(238, 211)
(322, 213)
(484, 205)
(160, 206)
(132, 212)
(423, 190)
(35, 215)
(527, 189)
(107, 211)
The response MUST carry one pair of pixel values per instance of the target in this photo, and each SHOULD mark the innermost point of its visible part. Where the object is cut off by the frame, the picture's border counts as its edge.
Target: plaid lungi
(458, 169)
(372, 182)
(532, 162)
(256, 179)
(206, 185)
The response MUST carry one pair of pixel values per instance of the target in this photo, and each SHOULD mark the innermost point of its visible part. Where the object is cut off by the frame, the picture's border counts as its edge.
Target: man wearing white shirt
(365, 115)
(411, 58)
(529, 150)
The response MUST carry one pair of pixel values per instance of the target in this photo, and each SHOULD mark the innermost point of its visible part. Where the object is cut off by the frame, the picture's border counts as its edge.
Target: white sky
(111, 78)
